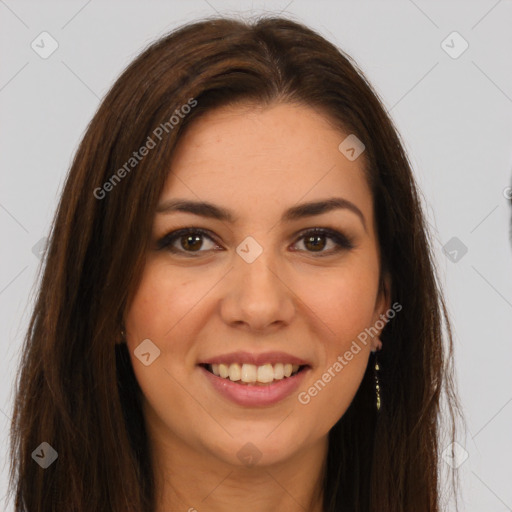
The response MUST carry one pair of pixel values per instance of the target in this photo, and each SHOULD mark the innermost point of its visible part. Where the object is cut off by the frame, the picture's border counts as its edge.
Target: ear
(382, 305)
(383, 302)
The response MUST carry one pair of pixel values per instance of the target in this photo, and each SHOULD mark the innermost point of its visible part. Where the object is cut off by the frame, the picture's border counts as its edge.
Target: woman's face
(251, 291)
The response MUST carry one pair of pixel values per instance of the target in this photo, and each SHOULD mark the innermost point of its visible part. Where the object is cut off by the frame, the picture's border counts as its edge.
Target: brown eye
(191, 242)
(187, 241)
(316, 240)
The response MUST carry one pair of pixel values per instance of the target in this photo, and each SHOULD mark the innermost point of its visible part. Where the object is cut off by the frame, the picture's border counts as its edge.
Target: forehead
(263, 160)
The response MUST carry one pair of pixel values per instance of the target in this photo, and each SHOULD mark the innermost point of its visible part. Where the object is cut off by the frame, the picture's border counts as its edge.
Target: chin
(263, 445)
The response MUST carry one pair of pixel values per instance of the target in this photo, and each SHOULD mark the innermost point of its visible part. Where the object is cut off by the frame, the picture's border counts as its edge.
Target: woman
(239, 308)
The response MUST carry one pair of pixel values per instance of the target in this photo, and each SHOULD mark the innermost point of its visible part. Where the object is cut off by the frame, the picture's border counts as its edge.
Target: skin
(194, 305)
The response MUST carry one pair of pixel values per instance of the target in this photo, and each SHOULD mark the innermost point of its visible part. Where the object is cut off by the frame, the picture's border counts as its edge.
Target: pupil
(196, 240)
(315, 245)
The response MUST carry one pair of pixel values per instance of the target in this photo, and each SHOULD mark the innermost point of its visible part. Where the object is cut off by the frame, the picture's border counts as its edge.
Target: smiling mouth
(250, 374)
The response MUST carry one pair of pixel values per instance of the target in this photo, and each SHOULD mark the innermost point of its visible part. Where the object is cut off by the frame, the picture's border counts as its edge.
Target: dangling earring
(122, 337)
(376, 369)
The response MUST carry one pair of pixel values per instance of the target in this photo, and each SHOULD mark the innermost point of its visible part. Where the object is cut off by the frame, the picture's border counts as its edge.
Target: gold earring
(376, 368)
(377, 384)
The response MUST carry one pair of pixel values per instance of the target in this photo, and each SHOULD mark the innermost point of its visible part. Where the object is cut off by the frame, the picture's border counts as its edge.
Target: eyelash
(342, 241)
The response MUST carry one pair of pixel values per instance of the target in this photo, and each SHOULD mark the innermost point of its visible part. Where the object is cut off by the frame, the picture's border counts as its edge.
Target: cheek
(162, 300)
(343, 301)
(157, 307)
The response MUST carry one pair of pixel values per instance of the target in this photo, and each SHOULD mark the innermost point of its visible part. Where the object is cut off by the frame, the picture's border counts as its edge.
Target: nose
(257, 296)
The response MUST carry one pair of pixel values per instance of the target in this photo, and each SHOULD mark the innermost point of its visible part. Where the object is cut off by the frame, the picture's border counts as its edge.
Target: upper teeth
(252, 373)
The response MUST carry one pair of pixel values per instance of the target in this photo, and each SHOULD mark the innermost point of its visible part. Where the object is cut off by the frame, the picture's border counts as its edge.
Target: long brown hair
(76, 389)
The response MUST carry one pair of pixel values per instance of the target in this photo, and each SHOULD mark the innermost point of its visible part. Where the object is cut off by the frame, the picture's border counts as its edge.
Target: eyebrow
(301, 211)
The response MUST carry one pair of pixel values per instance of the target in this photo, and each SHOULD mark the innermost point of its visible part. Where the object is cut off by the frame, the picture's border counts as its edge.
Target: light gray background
(454, 115)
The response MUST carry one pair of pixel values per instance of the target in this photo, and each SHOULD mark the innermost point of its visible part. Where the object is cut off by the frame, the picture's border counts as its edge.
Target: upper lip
(256, 359)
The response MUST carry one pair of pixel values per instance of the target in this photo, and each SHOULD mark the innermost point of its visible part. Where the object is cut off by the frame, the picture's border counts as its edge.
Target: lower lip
(255, 395)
